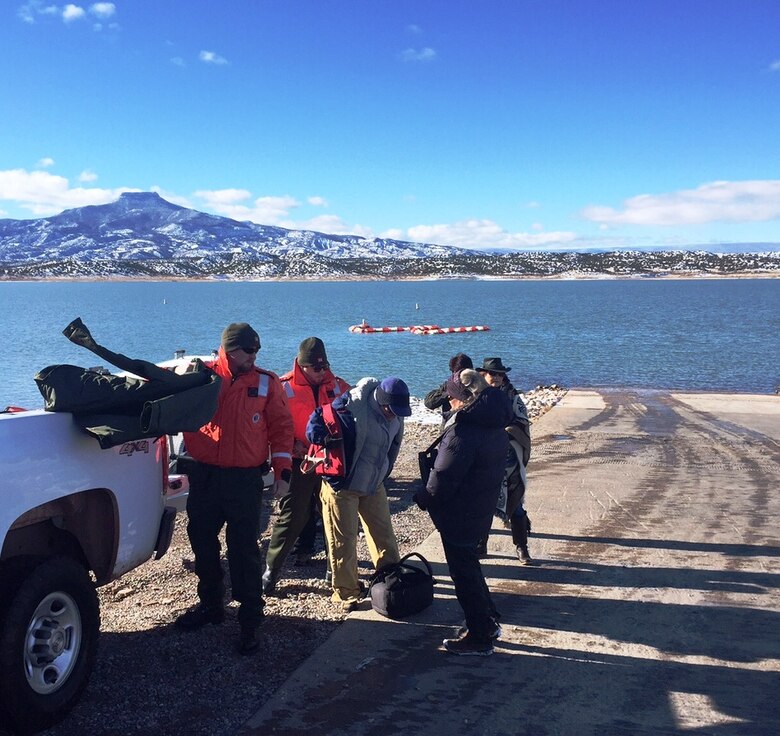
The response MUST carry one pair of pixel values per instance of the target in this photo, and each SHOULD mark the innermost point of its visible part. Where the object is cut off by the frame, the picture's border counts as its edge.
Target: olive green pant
(340, 513)
(294, 512)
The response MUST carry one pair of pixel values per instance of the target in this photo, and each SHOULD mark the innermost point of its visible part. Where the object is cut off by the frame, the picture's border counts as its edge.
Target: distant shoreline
(334, 279)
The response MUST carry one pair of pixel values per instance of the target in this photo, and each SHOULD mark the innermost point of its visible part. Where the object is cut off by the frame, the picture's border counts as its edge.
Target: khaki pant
(340, 513)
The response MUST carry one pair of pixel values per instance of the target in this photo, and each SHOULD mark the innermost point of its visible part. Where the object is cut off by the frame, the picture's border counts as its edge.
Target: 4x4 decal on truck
(138, 446)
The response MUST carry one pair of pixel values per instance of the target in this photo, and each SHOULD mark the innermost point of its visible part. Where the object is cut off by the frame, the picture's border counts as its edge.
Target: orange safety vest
(301, 396)
(252, 423)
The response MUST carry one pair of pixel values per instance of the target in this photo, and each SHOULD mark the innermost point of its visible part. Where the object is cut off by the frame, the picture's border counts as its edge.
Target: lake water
(720, 335)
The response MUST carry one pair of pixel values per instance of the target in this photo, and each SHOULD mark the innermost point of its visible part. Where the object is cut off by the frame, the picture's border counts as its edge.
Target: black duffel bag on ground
(402, 589)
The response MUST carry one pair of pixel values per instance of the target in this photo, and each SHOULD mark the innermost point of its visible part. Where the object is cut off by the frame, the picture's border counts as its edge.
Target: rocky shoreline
(152, 679)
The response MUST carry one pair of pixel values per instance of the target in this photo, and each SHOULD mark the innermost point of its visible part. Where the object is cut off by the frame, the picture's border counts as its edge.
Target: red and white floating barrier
(364, 327)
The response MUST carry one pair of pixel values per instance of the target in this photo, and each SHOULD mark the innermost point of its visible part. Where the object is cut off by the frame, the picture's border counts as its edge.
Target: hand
(300, 448)
(281, 488)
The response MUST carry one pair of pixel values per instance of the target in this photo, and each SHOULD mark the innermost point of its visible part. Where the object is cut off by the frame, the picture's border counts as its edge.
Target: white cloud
(263, 210)
(775, 66)
(28, 11)
(171, 197)
(414, 29)
(219, 197)
(329, 224)
(717, 201)
(485, 234)
(72, 12)
(426, 54)
(277, 211)
(178, 61)
(45, 163)
(533, 205)
(87, 176)
(210, 57)
(102, 10)
(393, 234)
(42, 193)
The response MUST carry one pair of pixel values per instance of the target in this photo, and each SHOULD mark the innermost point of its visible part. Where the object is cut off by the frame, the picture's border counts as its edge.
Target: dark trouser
(307, 539)
(519, 522)
(471, 590)
(231, 496)
(294, 512)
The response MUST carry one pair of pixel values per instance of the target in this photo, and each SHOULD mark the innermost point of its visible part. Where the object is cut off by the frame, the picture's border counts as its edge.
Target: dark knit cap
(455, 389)
(312, 352)
(393, 392)
(459, 362)
(239, 335)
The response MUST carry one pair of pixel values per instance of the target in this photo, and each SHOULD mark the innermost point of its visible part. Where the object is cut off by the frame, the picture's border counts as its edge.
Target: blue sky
(513, 124)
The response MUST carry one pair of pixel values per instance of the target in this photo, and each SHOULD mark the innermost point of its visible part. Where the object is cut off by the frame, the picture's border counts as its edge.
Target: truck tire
(48, 644)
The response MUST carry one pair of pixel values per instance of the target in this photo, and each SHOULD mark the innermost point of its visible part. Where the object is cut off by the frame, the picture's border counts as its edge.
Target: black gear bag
(402, 589)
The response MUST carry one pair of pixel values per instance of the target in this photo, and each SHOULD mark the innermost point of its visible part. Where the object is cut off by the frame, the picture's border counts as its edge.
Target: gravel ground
(152, 679)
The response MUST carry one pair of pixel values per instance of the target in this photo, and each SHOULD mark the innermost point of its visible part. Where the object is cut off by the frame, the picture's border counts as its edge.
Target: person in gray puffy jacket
(378, 410)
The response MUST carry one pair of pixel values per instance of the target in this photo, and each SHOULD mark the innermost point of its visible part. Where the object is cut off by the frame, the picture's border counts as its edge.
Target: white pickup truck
(73, 516)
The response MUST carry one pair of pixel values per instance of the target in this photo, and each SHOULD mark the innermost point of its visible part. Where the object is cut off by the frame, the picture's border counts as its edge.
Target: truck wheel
(48, 644)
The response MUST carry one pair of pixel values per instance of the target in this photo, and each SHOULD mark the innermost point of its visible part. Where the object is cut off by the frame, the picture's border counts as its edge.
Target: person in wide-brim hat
(494, 365)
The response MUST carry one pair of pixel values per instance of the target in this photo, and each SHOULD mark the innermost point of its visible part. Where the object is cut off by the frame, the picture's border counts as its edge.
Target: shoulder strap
(331, 420)
(434, 443)
(425, 562)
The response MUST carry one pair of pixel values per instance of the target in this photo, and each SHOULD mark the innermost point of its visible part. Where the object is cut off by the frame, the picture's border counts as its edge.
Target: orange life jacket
(301, 397)
(252, 423)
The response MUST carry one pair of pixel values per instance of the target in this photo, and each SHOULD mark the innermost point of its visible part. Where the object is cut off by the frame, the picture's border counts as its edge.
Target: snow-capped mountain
(142, 225)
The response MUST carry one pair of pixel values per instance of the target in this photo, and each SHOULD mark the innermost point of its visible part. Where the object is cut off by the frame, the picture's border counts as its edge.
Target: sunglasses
(493, 373)
(319, 368)
(251, 351)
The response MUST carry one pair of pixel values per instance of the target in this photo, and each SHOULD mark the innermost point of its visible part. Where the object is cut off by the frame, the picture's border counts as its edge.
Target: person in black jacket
(461, 496)
(438, 399)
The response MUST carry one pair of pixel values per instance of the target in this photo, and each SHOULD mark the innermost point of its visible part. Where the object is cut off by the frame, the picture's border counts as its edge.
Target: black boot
(270, 579)
(248, 642)
(198, 617)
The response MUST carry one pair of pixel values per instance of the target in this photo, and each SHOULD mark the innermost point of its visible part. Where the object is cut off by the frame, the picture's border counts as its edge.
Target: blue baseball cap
(394, 393)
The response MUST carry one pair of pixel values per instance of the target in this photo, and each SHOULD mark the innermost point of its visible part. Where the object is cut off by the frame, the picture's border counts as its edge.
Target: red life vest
(327, 460)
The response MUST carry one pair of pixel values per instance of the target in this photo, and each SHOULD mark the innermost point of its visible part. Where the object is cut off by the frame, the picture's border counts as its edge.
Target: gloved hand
(281, 488)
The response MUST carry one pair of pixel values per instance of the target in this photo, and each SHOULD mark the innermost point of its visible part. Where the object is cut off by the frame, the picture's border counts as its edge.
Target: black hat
(312, 352)
(393, 392)
(494, 365)
(239, 335)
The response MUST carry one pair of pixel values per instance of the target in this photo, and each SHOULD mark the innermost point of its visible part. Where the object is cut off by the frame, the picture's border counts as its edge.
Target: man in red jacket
(252, 426)
(308, 385)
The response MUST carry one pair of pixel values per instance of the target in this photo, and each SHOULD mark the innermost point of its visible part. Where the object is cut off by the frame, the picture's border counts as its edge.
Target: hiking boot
(523, 556)
(248, 642)
(496, 633)
(349, 606)
(469, 646)
(270, 579)
(197, 617)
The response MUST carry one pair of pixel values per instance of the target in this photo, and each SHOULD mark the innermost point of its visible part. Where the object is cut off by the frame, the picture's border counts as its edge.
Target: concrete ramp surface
(654, 609)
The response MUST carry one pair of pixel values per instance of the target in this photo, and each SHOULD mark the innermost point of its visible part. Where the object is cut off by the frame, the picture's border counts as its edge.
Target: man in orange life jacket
(308, 385)
(231, 453)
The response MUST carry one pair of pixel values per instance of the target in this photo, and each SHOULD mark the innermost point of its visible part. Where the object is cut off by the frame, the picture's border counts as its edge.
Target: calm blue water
(700, 335)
